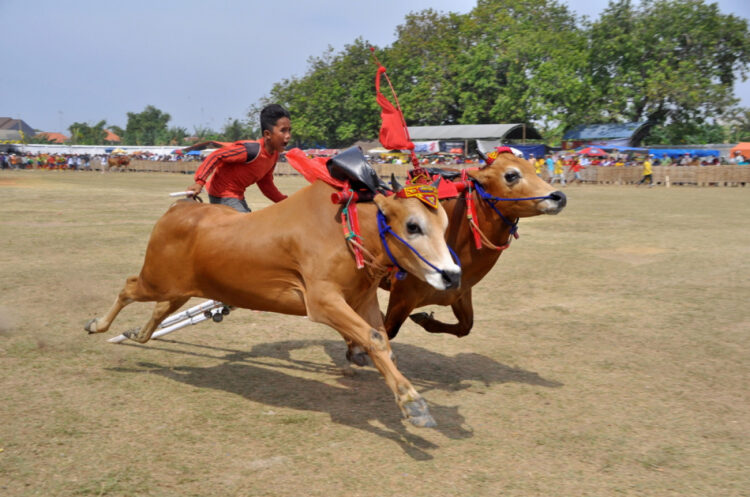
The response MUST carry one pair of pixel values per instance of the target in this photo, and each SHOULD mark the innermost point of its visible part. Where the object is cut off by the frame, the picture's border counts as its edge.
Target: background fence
(728, 175)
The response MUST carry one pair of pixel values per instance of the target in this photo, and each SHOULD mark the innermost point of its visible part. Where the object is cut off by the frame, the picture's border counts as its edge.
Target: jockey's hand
(196, 188)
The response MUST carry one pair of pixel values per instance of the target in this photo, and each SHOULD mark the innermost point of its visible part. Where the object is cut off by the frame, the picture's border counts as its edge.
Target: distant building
(53, 137)
(600, 135)
(111, 137)
(453, 137)
(14, 129)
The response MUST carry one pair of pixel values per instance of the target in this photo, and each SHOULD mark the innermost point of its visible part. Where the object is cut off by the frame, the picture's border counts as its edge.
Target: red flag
(394, 134)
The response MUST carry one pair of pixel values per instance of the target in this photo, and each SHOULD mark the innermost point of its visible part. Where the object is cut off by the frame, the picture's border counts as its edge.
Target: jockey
(243, 163)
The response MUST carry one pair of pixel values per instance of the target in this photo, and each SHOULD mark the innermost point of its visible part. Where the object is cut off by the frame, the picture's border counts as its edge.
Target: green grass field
(609, 357)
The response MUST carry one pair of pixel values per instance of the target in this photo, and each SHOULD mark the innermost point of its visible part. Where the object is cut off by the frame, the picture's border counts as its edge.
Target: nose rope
(384, 228)
(491, 200)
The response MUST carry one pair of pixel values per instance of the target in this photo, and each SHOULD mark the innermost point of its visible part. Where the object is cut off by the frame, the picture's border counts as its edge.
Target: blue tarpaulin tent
(662, 152)
(537, 150)
(679, 152)
(625, 149)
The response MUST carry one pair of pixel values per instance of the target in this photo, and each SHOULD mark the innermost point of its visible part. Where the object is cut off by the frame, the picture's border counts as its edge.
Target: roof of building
(53, 137)
(604, 131)
(8, 123)
(111, 137)
(474, 132)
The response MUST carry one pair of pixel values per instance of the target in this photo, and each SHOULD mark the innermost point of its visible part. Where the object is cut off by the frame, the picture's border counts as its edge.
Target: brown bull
(117, 161)
(291, 258)
(507, 177)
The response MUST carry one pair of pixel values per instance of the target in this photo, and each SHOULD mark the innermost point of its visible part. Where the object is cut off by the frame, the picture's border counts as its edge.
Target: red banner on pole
(394, 134)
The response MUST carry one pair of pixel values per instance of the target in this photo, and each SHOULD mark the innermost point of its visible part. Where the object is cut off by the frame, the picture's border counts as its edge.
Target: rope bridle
(384, 229)
(363, 257)
(480, 238)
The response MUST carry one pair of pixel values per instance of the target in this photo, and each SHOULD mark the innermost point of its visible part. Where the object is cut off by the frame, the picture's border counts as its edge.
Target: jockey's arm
(234, 153)
(268, 187)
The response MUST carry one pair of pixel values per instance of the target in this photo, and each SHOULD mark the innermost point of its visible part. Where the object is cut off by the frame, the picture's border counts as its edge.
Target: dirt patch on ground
(633, 255)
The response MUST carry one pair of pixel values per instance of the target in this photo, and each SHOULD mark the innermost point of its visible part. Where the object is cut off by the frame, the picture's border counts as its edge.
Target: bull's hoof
(132, 334)
(357, 356)
(420, 318)
(90, 326)
(418, 414)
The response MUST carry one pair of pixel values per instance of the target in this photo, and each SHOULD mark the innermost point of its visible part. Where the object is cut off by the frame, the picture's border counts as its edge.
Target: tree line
(672, 63)
(151, 127)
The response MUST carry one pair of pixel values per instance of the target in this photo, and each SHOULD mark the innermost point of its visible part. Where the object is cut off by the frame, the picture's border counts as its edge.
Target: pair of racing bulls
(293, 258)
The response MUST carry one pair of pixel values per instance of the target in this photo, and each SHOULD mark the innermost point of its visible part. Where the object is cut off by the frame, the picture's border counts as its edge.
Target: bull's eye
(512, 176)
(413, 228)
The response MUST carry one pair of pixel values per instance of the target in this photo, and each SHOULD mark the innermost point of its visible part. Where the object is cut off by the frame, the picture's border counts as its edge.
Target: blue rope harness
(384, 228)
(491, 200)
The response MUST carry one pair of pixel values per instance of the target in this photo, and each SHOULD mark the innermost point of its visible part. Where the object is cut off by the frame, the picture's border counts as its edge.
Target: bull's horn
(397, 187)
(436, 183)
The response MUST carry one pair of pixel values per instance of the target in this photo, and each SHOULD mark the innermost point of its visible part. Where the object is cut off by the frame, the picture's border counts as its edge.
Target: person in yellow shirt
(557, 172)
(648, 173)
(538, 164)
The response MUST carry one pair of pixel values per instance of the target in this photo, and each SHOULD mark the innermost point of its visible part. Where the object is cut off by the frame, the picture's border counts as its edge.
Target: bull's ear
(484, 157)
(483, 175)
(382, 202)
(395, 185)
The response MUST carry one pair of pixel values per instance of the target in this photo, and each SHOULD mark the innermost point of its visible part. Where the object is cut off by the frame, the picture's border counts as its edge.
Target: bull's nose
(452, 279)
(560, 198)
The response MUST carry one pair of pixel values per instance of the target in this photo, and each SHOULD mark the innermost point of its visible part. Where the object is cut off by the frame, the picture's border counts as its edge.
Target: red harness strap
(480, 239)
(471, 209)
(452, 189)
(350, 222)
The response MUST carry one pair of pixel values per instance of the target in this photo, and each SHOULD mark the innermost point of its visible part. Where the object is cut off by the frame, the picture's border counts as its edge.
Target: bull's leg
(329, 307)
(462, 309)
(161, 311)
(127, 295)
(356, 353)
(398, 311)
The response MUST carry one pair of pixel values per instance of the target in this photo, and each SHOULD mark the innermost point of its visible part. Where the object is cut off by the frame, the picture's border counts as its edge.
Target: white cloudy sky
(202, 62)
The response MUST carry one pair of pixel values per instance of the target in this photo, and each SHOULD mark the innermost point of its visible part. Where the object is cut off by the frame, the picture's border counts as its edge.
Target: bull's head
(416, 217)
(511, 177)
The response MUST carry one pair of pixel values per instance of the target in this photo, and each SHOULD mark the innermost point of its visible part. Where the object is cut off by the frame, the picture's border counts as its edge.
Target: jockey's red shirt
(232, 174)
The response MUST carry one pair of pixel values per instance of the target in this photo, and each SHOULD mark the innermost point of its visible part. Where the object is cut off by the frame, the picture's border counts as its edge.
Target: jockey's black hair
(270, 115)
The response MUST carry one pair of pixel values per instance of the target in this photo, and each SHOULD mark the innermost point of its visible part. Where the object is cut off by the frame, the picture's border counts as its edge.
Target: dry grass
(609, 357)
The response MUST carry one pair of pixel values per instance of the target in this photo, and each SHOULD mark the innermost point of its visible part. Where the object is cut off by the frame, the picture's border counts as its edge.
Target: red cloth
(312, 169)
(232, 174)
(393, 132)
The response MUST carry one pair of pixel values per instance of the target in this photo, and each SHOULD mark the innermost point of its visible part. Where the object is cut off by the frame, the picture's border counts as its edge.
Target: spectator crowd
(75, 162)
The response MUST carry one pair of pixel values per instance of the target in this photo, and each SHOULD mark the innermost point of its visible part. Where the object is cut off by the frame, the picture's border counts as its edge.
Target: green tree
(234, 130)
(333, 104)
(148, 127)
(423, 64)
(526, 62)
(204, 133)
(86, 134)
(687, 132)
(670, 62)
(738, 125)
